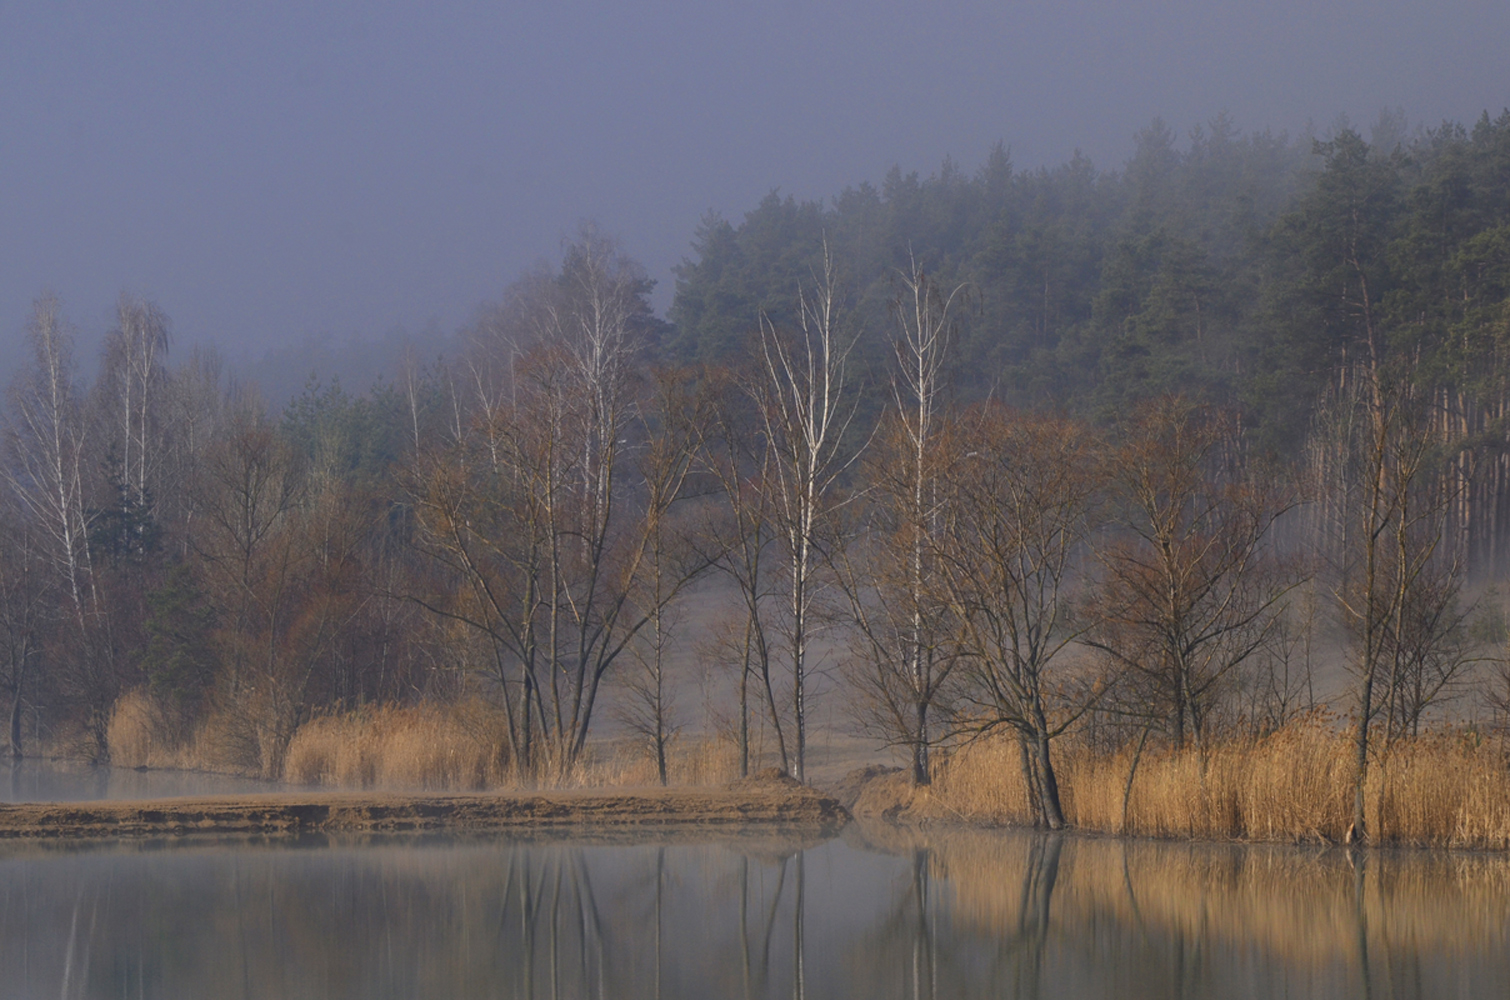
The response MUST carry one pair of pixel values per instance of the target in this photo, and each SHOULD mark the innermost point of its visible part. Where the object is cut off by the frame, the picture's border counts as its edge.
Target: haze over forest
(289, 173)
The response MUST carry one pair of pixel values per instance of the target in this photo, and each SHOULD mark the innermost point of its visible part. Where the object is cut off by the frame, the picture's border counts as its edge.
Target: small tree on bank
(806, 406)
(905, 648)
(1024, 498)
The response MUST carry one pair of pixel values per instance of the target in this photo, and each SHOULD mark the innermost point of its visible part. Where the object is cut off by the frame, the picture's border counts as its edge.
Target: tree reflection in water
(878, 914)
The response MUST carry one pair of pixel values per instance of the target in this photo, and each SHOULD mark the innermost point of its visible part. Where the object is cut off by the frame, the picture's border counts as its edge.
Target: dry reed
(690, 760)
(1443, 789)
(427, 747)
(423, 747)
(140, 736)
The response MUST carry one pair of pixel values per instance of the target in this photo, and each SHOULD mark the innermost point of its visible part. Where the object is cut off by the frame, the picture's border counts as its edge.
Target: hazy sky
(271, 171)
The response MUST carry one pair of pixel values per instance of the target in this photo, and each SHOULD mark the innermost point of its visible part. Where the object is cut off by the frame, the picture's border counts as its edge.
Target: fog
(280, 172)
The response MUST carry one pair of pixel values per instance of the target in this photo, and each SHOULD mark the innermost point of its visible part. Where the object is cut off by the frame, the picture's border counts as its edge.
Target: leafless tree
(46, 439)
(888, 569)
(1025, 493)
(806, 407)
(545, 536)
(131, 384)
(26, 602)
(665, 461)
(1279, 682)
(47, 472)
(1190, 589)
(281, 563)
(738, 533)
(1397, 584)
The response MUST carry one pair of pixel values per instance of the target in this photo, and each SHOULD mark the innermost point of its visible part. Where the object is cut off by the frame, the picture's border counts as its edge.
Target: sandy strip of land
(748, 804)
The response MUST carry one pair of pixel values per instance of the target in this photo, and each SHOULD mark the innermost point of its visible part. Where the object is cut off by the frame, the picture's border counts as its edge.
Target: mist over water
(877, 913)
(35, 780)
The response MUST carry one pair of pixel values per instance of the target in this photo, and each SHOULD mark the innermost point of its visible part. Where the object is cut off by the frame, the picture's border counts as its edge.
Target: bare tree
(46, 439)
(545, 539)
(888, 572)
(26, 595)
(1279, 684)
(281, 563)
(666, 459)
(1190, 590)
(132, 382)
(806, 408)
(738, 534)
(1025, 492)
(1397, 593)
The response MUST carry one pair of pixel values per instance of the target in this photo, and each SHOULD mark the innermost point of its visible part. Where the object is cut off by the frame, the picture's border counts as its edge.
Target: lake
(877, 912)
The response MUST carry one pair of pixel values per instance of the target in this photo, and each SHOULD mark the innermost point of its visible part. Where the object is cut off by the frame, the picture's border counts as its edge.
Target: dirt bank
(750, 803)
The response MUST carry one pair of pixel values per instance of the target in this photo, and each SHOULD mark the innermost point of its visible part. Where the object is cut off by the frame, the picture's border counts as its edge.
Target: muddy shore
(752, 803)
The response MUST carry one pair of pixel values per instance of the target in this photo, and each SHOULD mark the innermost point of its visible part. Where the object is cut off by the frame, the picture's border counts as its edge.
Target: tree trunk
(16, 751)
(920, 775)
(1053, 813)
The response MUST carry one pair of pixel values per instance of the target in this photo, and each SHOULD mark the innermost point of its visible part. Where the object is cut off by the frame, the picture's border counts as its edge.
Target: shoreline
(760, 804)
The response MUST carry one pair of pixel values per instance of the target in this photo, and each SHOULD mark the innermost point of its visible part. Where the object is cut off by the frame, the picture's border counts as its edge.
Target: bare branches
(1191, 591)
(46, 440)
(1026, 488)
(550, 514)
(806, 407)
(888, 570)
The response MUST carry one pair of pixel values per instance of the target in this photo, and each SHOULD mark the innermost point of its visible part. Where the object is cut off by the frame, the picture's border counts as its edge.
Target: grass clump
(1444, 789)
(423, 747)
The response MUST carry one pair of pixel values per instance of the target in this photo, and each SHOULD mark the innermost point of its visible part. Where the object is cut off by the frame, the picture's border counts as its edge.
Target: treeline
(1242, 270)
(1255, 408)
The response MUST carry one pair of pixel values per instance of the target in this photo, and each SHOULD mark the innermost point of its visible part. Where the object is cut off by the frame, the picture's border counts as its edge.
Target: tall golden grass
(456, 747)
(690, 760)
(1443, 789)
(424, 747)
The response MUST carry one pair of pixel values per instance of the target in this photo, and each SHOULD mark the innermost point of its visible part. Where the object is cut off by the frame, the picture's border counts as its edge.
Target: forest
(1064, 472)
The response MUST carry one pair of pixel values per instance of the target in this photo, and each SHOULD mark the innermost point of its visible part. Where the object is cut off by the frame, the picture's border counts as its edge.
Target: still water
(874, 913)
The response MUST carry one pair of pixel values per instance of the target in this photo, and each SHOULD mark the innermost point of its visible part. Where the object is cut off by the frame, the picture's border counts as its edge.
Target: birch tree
(133, 381)
(904, 651)
(806, 407)
(545, 540)
(46, 435)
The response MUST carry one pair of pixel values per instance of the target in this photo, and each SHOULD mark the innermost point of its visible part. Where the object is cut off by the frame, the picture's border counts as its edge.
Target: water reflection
(876, 914)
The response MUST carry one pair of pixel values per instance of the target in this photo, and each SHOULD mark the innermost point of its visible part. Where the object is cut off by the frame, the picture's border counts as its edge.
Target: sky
(276, 172)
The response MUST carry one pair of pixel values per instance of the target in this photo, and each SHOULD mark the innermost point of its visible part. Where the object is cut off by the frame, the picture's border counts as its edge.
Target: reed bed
(690, 760)
(422, 747)
(461, 748)
(136, 737)
(1443, 789)
(453, 747)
